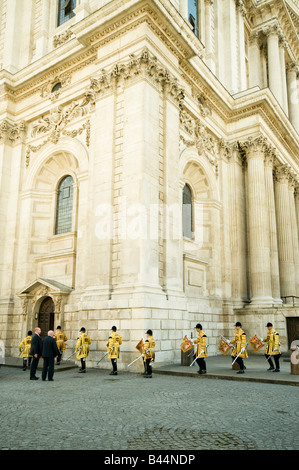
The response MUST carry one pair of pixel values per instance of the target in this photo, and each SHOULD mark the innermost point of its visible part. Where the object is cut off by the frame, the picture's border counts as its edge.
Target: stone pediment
(40, 288)
(48, 285)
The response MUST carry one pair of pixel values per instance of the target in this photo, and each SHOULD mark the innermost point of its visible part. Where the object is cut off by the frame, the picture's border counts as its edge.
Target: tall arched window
(64, 210)
(187, 212)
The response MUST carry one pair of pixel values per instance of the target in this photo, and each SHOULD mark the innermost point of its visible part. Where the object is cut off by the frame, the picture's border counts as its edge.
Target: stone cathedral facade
(149, 170)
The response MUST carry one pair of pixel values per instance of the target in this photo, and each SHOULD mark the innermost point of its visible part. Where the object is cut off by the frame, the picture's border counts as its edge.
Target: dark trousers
(83, 363)
(33, 367)
(48, 368)
(201, 363)
(59, 357)
(239, 361)
(25, 362)
(276, 360)
(148, 367)
(114, 365)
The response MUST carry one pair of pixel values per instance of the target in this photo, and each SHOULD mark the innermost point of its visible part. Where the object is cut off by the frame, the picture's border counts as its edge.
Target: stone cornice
(145, 65)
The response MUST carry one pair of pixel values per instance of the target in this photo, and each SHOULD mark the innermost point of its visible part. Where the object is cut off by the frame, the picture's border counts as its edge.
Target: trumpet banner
(256, 343)
(224, 347)
(186, 344)
(140, 346)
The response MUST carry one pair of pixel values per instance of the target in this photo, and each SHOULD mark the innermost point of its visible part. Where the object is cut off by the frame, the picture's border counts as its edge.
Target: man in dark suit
(35, 352)
(49, 353)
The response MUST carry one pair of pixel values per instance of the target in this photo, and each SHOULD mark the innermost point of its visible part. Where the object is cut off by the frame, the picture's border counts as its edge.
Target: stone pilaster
(275, 282)
(274, 65)
(294, 227)
(255, 72)
(284, 232)
(293, 95)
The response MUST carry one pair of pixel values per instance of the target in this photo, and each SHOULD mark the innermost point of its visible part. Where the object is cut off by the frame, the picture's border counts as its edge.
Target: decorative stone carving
(199, 136)
(145, 64)
(55, 125)
(46, 90)
(61, 38)
(10, 133)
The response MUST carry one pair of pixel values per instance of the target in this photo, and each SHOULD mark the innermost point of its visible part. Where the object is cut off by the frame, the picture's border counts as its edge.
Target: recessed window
(193, 15)
(64, 210)
(65, 10)
(187, 212)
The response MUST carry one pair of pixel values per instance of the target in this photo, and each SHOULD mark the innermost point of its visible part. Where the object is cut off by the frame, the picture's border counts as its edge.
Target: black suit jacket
(36, 345)
(49, 348)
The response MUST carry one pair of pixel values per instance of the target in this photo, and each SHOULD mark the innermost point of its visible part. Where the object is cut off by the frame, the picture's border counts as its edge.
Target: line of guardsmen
(238, 354)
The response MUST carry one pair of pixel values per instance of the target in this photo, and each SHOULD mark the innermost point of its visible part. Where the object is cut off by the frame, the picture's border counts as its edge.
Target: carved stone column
(274, 62)
(284, 233)
(275, 282)
(255, 72)
(282, 48)
(293, 95)
(241, 12)
(294, 226)
(208, 34)
(258, 224)
(237, 224)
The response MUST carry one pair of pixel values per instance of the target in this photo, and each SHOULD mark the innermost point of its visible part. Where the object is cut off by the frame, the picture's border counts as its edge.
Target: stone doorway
(46, 316)
(292, 329)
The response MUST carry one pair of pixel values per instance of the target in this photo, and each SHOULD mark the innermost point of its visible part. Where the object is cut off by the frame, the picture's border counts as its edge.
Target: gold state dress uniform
(82, 348)
(149, 353)
(201, 351)
(24, 348)
(61, 339)
(113, 347)
(239, 350)
(272, 348)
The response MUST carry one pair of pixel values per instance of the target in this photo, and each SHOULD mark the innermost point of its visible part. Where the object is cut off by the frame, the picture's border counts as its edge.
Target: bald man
(49, 353)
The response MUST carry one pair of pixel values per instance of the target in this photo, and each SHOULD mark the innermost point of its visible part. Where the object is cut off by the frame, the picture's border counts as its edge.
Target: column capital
(272, 30)
(241, 7)
(254, 37)
(292, 67)
(11, 133)
(282, 174)
(255, 145)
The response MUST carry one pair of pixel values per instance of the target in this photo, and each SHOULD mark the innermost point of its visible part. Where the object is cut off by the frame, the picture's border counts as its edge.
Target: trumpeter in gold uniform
(60, 341)
(149, 353)
(201, 351)
(239, 350)
(24, 348)
(113, 346)
(82, 348)
(272, 348)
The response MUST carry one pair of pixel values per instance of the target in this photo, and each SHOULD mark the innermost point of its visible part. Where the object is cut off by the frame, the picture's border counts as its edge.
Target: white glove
(242, 350)
(275, 349)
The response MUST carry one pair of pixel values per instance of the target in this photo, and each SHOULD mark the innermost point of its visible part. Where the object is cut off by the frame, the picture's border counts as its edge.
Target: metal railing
(293, 301)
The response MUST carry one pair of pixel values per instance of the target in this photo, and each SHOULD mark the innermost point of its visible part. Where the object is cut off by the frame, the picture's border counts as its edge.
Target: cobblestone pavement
(96, 411)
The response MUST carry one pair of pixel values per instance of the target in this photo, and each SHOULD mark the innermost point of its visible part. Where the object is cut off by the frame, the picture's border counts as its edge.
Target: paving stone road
(96, 411)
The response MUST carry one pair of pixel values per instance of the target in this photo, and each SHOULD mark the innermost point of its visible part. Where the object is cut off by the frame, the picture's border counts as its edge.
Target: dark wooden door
(46, 316)
(292, 329)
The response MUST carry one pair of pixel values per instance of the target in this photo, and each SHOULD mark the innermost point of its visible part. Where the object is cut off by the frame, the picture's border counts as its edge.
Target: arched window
(64, 210)
(187, 212)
